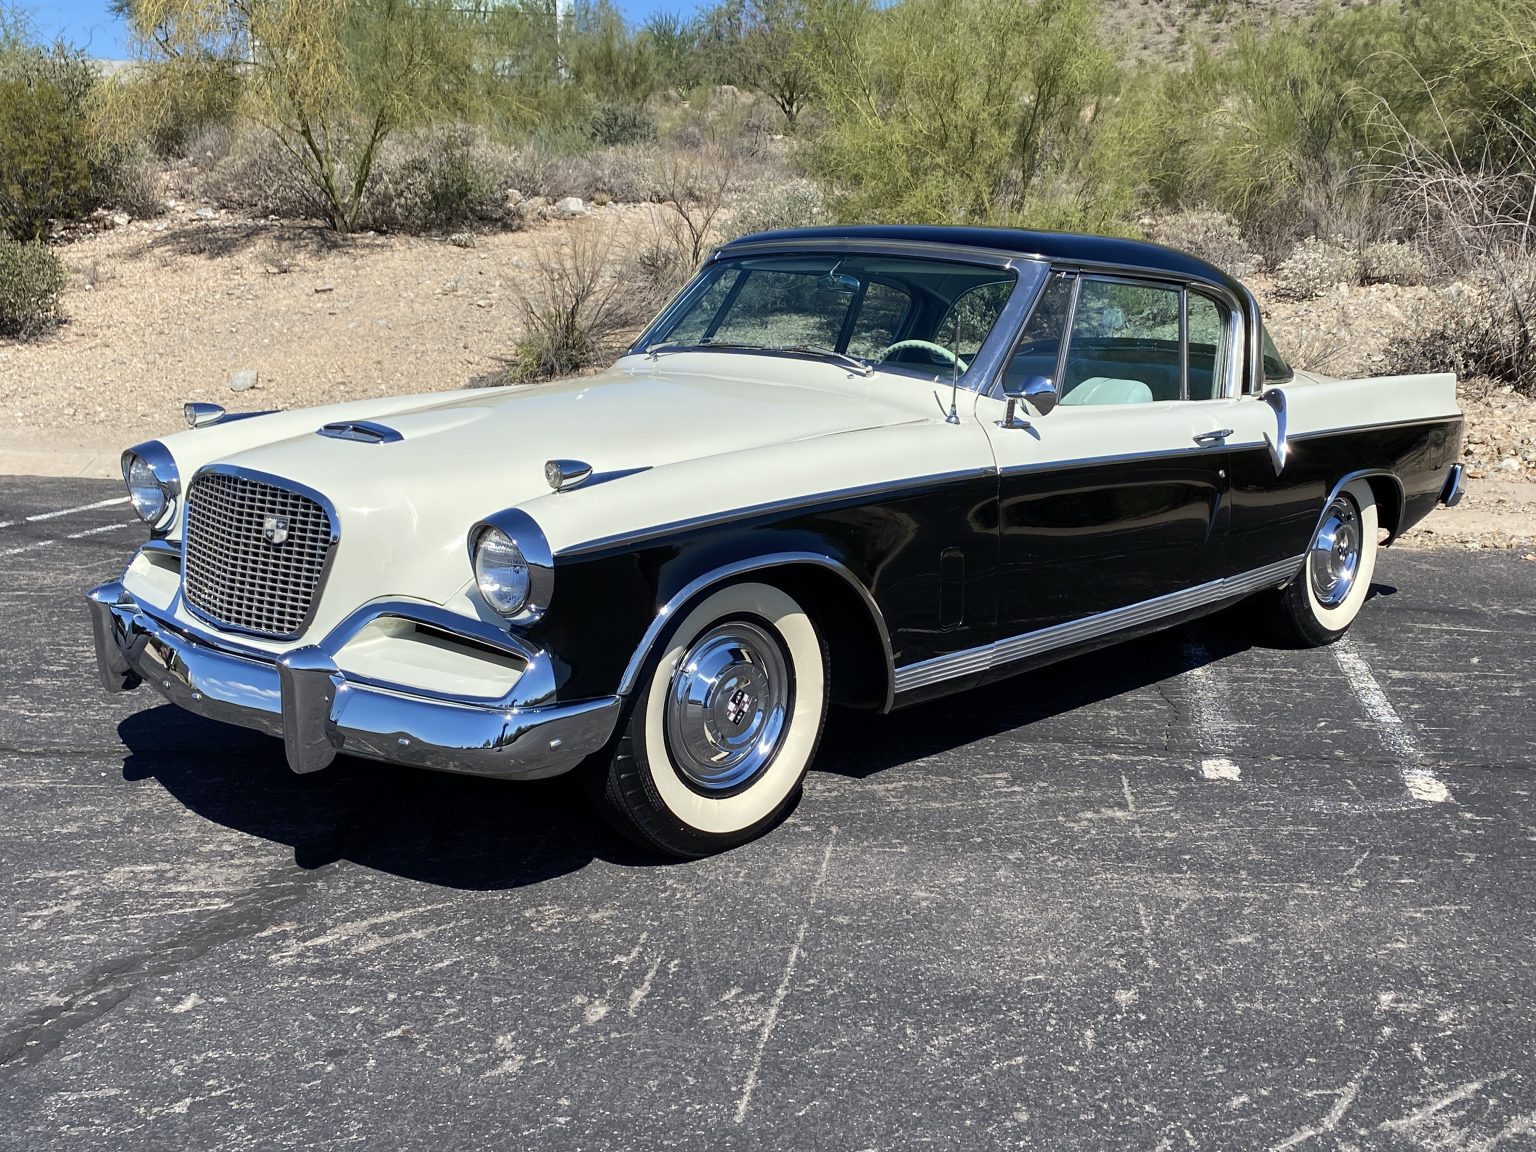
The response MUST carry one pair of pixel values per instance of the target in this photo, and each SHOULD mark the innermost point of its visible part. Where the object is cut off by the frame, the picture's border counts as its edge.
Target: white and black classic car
(865, 466)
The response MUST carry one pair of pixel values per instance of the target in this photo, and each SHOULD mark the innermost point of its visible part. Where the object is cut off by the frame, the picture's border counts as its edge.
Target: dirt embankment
(168, 311)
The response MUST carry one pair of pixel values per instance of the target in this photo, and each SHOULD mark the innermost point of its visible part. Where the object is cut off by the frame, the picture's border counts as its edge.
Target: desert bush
(32, 282)
(579, 308)
(763, 207)
(441, 180)
(1208, 234)
(1314, 268)
(613, 124)
(137, 184)
(1478, 329)
(49, 162)
(257, 174)
(1393, 262)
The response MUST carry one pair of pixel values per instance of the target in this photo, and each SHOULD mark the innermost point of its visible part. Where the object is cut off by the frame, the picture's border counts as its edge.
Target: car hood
(404, 506)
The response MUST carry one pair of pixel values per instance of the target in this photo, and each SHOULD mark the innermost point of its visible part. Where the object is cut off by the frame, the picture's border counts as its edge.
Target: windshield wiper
(862, 367)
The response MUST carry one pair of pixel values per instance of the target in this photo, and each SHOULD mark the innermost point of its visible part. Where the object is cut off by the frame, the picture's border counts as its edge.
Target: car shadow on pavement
(474, 833)
(456, 831)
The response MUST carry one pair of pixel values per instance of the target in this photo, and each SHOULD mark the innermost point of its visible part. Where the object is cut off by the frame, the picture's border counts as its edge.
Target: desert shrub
(1314, 268)
(1478, 329)
(32, 282)
(137, 184)
(611, 124)
(579, 308)
(1208, 234)
(1393, 262)
(628, 175)
(441, 180)
(258, 174)
(763, 207)
(49, 164)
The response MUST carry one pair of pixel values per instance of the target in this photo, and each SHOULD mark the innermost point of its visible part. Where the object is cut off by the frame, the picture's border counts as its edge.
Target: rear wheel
(1322, 602)
(721, 728)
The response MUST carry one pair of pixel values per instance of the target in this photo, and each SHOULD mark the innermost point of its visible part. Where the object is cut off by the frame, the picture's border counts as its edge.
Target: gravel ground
(161, 312)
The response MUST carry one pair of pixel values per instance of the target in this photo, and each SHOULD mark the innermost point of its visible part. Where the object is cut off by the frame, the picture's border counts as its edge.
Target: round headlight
(501, 572)
(148, 494)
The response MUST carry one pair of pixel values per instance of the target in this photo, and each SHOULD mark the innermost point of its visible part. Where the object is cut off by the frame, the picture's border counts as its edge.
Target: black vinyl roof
(1063, 246)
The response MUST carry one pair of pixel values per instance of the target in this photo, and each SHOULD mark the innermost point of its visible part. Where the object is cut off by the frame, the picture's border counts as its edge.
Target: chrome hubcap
(728, 706)
(1335, 558)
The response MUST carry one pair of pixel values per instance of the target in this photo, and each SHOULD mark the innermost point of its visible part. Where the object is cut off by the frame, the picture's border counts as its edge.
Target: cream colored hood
(404, 507)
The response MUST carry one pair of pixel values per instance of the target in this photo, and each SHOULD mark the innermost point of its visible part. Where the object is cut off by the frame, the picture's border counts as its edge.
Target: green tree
(333, 79)
(954, 110)
(771, 56)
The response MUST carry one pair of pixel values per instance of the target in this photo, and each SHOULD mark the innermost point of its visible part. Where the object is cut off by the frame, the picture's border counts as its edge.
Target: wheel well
(856, 649)
(1388, 493)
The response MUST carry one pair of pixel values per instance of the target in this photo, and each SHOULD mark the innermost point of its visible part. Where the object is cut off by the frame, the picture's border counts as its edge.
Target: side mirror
(1039, 391)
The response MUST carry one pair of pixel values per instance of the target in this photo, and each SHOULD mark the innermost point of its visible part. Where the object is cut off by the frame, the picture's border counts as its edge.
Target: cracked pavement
(1181, 893)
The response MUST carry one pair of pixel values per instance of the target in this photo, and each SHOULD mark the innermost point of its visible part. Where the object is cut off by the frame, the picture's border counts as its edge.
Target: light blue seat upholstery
(1109, 390)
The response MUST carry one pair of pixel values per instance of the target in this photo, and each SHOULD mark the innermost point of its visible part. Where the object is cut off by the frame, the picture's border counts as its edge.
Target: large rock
(570, 206)
(243, 380)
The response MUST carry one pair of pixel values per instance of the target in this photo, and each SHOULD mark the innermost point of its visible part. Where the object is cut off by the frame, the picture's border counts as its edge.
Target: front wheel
(1322, 602)
(721, 728)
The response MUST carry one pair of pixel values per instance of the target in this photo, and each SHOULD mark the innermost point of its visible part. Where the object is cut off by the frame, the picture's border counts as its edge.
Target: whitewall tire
(722, 725)
(1322, 602)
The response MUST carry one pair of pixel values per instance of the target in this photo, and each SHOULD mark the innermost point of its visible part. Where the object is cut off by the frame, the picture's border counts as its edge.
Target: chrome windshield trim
(708, 520)
(985, 657)
(1029, 272)
(689, 591)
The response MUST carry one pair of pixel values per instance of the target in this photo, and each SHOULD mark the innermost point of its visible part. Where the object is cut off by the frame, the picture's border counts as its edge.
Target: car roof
(1068, 247)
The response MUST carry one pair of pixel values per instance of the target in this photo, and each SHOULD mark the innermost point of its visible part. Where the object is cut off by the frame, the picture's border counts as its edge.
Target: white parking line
(1209, 705)
(36, 544)
(1418, 777)
(71, 511)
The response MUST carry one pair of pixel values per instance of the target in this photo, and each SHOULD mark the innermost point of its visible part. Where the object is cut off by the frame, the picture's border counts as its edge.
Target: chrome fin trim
(911, 677)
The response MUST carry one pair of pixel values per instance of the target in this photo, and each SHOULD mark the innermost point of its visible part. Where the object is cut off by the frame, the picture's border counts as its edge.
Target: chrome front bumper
(318, 711)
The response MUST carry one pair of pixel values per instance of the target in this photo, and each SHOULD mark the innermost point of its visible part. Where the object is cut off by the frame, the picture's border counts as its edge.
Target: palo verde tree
(333, 79)
(953, 110)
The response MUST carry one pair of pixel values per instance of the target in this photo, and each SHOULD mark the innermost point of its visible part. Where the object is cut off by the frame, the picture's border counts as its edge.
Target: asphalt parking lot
(1181, 894)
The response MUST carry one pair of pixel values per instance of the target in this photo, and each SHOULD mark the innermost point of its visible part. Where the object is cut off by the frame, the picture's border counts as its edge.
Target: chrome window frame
(1233, 383)
(1030, 272)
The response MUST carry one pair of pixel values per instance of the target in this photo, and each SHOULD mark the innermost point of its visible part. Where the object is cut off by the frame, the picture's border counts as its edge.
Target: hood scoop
(363, 431)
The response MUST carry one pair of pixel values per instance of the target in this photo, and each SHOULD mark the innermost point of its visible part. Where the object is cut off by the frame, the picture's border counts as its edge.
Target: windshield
(890, 311)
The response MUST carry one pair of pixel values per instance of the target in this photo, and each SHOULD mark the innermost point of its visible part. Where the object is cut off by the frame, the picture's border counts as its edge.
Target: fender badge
(274, 530)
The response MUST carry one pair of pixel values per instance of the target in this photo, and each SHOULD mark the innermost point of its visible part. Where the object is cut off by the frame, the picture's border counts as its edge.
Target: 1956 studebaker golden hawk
(866, 466)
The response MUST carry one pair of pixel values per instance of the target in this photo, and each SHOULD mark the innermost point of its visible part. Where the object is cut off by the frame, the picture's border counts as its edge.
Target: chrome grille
(233, 575)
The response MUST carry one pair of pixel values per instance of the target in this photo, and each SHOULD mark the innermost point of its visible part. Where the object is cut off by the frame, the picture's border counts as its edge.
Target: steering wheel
(926, 346)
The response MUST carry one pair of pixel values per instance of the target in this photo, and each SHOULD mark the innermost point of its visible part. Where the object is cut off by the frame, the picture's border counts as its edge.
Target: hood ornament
(563, 474)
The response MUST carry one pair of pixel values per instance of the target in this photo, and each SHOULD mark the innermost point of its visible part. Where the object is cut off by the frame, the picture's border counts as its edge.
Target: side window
(975, 310)
(1124, 345)
(1039, 347)
(1207, 347)
(879, 320)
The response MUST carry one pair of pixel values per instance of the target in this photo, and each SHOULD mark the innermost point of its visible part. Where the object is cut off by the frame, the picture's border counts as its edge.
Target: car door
(1115, 498)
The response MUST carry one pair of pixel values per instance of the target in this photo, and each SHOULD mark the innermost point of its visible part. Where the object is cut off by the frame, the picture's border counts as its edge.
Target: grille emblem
(274, 530)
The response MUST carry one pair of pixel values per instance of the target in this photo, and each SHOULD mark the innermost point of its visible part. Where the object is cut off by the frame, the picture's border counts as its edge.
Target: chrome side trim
(756, 564)
(1388, 426)
(835, 496)
(911, 677)
(1125, 458)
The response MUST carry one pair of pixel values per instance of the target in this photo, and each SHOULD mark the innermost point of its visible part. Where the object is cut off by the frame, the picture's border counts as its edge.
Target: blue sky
(89, 25)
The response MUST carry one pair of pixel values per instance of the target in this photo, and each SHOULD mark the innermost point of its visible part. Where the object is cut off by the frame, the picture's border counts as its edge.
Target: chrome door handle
(1213, 437)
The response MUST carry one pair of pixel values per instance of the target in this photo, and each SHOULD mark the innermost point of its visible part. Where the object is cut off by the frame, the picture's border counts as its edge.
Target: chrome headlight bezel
(154, 485)
(518, 530)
